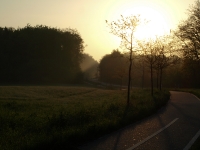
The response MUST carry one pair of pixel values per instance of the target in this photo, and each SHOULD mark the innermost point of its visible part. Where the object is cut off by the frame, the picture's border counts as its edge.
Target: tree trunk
(160, 79)
(151, 80)
(157, 72)
(129, 78)
(121, 83)
(143, 76)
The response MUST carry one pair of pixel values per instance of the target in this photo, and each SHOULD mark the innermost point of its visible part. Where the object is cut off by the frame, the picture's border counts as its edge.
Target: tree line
(172, 60)
(40, 55)
(45, 55)
(148, 70)
(188, 37)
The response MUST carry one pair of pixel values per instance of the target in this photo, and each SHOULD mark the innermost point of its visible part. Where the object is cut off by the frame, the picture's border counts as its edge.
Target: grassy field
(59, 117)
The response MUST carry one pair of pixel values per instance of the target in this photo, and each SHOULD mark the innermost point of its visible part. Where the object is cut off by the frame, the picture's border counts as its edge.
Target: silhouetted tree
(189, 34)
(150, 50)
(125, 28)
(40, 55)
(112, 68)
(165, 57)
(141, 70)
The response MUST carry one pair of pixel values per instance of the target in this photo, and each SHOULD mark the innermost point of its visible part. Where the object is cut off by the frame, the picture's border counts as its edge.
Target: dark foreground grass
(193, 91)
(63, 117)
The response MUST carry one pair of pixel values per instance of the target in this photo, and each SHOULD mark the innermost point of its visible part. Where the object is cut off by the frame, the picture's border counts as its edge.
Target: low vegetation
(193, 91)
(55, 117)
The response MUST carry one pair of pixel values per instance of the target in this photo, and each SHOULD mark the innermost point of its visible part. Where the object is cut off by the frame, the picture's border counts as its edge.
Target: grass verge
(33, 117)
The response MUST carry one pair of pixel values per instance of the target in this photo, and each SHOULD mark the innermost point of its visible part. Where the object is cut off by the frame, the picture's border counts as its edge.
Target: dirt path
(171, 128)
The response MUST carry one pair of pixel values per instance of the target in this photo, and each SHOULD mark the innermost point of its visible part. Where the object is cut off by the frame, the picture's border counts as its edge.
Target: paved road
(172, 128)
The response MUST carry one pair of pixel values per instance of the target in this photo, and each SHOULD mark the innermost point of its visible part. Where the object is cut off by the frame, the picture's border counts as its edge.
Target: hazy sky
(88, 17)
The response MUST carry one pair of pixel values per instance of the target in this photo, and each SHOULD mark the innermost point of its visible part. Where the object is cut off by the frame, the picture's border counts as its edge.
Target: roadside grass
(59, 117)
(193, 91)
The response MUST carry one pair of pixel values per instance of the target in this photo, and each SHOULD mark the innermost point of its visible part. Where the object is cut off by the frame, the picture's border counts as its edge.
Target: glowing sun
(156, 25)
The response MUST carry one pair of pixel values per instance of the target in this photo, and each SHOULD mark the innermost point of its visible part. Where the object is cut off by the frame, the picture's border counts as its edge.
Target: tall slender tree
(125, 28)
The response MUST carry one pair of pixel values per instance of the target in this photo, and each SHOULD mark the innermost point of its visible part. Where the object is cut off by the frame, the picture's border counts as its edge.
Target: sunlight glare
(156, 25)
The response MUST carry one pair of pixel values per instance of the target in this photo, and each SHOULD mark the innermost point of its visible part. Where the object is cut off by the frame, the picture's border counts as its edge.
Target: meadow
(63, 117)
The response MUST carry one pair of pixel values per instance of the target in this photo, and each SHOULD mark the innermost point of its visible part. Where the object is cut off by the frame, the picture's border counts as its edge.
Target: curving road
(172, 128)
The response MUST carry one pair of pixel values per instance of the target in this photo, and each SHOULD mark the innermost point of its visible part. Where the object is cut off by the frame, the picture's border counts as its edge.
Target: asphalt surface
(171, 128)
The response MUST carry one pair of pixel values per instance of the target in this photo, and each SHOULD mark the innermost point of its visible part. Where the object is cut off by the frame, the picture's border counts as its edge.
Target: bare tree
(140, 68)
(165, 56)
(124, 28)
(150, 50)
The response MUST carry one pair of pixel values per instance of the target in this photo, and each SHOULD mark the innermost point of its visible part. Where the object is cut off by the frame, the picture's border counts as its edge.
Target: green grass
(193, 91)
(59, 117)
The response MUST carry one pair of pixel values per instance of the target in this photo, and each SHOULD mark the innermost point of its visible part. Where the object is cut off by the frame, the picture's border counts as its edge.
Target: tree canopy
(188, 32)
(113, 68)
(40, 55)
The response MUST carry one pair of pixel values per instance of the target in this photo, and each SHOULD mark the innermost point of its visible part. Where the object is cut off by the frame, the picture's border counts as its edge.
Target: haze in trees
(89, 66)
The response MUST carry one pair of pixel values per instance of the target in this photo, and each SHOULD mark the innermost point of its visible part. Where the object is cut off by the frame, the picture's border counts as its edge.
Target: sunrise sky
(88, 17)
